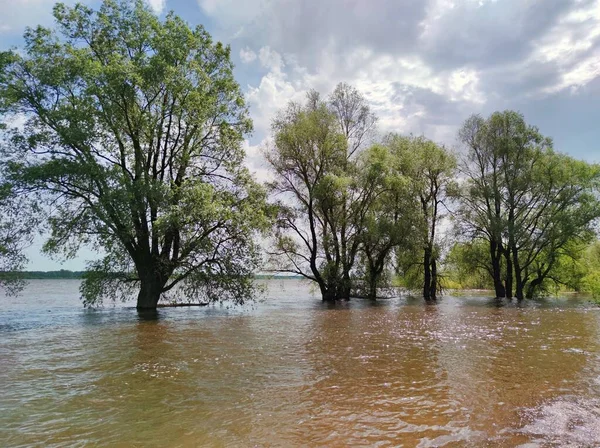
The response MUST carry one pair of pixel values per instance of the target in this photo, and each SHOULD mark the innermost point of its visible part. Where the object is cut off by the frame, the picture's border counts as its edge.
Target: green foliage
(581, 272)
(391, 218)
(466, 266)
(18, 220)
(314, 158)
(308, 158)
(430, 170)
(531, 205)
(133, 139)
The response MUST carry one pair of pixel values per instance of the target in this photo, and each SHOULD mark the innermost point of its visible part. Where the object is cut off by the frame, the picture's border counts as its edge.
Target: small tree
(133, 141)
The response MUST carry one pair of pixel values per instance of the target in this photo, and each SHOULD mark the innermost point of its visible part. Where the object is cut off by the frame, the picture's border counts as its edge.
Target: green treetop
(132, 142)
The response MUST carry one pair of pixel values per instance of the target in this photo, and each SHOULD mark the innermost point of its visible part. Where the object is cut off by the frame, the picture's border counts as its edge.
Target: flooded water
(292, 371)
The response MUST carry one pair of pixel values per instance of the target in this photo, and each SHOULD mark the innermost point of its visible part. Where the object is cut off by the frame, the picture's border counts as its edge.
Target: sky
(423, 65)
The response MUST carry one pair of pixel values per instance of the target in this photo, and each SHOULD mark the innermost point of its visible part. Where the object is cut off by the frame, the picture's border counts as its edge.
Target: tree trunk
(427, 274)
(152, 282)
(509, 275)
(149, 295)
(531, 289)
(374, 274)
(328, 294)
(434, 280)
(372, 292)
(346, 286)
(495, 253)
(520, 284)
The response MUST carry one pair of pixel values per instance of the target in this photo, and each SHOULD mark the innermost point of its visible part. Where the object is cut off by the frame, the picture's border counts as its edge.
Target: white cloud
(423, 66)
(572, 45)
(398, 89)
(273, 92)
(247, 55)
(157, 5)
(255, 161)
(270, 59)
(233, 12)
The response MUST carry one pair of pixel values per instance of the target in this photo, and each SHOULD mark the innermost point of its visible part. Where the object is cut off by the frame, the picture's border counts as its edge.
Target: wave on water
(567, 422)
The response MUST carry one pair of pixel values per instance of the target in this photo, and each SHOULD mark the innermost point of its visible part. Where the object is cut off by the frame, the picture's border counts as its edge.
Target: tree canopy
(527, 202)
(132, 144)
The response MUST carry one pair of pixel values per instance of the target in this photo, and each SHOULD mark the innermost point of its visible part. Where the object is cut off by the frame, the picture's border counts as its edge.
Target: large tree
(529, 203)
(132, 141)
(357, 124)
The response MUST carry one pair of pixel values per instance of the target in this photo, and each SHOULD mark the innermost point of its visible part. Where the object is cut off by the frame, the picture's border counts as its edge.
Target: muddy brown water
(292, 371)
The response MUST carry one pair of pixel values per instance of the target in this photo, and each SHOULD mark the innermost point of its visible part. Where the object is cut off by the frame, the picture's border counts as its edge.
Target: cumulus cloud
(573, 46)
(255, 161)
(157, 6)
(247, 55)
(413, 58)
(275, 89)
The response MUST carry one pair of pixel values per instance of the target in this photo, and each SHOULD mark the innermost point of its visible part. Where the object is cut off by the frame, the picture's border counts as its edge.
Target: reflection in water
(148, 315)
(293, 371)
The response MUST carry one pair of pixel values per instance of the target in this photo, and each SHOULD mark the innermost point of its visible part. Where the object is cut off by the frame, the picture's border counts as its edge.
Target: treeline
(133, 143)
(353, 214)
(41, 275)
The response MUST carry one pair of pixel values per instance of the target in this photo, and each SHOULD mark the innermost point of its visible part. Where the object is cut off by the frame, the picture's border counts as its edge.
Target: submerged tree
(431, 170)
(392, 218)
(307, 156)
(18, 221)
(314, 158)
(356, 123)
(133, 141)
(527, 202)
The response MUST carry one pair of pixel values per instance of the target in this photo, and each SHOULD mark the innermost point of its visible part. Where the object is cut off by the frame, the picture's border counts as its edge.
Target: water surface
(292, 371)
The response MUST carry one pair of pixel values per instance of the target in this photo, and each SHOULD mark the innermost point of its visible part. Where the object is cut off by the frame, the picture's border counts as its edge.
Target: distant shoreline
(65, 274)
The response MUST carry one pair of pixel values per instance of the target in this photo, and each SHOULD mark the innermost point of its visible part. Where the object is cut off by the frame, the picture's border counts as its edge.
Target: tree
(392, 217)
(590, 278)
(552, 221)
(133, 140)
(323, 138)
(467, 266)
(481, 205)
(529, 203)
(354, 116)
(431, 169)
(356, 123)
(308, 157)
